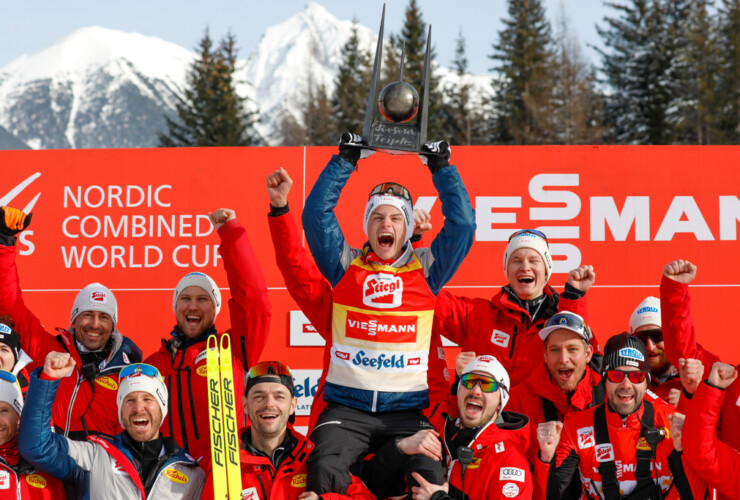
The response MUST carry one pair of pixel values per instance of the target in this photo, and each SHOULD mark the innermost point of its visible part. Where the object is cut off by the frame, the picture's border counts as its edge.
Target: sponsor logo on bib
(36, 480)
(176, 476)
(107, 382)
(382, 291)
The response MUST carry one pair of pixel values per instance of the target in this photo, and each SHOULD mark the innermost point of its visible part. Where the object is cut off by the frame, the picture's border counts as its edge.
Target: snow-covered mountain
(99, 87)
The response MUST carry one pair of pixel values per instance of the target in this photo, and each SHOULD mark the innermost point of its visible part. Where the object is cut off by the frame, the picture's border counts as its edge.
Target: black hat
(12, 339)
(625, 350)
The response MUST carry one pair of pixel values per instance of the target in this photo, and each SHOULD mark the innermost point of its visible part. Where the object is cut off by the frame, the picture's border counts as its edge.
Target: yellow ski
(231, 437)
(215, 419)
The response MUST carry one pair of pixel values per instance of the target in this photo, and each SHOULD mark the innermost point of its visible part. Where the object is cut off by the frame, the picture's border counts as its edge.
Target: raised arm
(249, 306)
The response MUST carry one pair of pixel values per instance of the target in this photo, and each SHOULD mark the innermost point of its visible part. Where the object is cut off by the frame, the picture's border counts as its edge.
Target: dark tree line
(669, 73)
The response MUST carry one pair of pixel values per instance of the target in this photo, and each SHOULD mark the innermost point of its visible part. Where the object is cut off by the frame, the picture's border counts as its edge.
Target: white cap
(10, 392)
(647, 313)
(490, 365)
(200, 280)
(402, 204)
(566, 320)
(140, 382)
(95, 297)
(529, 240)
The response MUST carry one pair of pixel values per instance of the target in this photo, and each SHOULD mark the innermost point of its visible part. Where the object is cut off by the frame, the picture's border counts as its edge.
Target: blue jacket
(333, 256)
(87, 465)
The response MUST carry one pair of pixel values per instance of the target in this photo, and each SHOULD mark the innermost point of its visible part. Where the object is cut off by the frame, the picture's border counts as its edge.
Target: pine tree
(522, 86)
(462, 121)
(352, 85)
(728, 83)
(636, 62)
(211, 113)
(318, 117)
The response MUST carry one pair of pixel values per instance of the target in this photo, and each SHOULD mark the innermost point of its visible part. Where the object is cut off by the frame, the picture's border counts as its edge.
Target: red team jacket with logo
(314, 296)
(262, 481)
(501, 328)
(184, 370)
(499, 469)
(527, 398)
(680, 342)
(578, 450)
(26, 483)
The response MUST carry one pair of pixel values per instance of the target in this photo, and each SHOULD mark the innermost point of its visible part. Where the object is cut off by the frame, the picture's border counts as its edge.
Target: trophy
(389, 111)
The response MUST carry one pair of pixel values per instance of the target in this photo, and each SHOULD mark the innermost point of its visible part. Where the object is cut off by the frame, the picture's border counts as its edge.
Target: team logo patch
(118, 468)
(474, 464)
(647, 309)
(499, 447)
(382, 291)
(441, 353)
(201, 356)
(99, 297)
(632, 353)
(298, 481)
(414, 361)
(643, 445)
(586, 438)
(125, 358)
(36, 480)
(500, 338)
(4, 480)
(510, 490)
(511, 474)
(176, 476)
(202, 370)
(342, 355)
(250, 494)
(446, 374)
(385, 329)
(604, 452)
(107, 382)
(5, 328)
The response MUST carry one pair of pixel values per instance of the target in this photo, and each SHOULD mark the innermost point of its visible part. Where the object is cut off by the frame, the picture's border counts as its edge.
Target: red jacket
(499, 468)
(527, 398)
(313, 294)
(680, 342)
(714, 461)
(262, 481)
(501, 328)
(184, 370)
(75, 393)
(578, 450)
(24, 482)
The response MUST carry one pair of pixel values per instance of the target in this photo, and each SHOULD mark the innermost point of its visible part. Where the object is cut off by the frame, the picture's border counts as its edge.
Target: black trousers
(343, 436)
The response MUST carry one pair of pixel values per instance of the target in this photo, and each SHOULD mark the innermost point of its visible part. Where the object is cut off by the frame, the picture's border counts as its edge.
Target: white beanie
(10, 392)
(95, 297)
(529, 240)
(140, 382)
(647, 313)
(200, 280)
(402, 204)
(490, 365)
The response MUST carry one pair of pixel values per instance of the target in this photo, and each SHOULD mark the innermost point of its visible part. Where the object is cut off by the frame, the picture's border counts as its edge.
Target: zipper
(192, 403)
(72, 403)
(262, 486)
(180, 412)
(513, 340)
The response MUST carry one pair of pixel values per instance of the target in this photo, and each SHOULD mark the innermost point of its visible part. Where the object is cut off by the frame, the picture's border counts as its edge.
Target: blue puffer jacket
(333, 256)
(87, 465)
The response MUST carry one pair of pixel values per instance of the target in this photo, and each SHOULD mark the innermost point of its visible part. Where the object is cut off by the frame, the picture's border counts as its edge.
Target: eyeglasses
(267, 368)
(655, 335)
(616, 376)
(571, 321)
(391, 188)
(8, 377)
(533, 232)
(140, 369)
(487, 384)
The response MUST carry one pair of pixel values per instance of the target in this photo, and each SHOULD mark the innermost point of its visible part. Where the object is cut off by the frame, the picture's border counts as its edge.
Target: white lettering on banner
(23, 241)
(132, 257)
(96, 196)
(305, 384)
(137, 226)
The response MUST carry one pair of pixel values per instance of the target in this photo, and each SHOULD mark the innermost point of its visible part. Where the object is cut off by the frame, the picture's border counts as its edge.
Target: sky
(27, 27)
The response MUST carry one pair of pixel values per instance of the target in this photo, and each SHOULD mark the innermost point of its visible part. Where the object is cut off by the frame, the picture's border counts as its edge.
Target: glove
(12, 222)
(352, 148)
(435, 155)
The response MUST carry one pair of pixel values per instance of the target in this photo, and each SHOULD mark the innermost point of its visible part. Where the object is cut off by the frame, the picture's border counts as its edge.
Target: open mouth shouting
(386, 240)
(473, 408)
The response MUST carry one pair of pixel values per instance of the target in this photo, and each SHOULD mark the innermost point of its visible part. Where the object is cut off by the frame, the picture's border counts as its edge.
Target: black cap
(625, 349)
(12, 339)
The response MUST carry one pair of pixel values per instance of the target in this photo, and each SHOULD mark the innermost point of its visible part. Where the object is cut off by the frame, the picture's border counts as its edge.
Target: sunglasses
(140, 369)
(487, 384)
(655, 335)
(528, 231)
(391, 188)
(266, 368)
(572, 322)
(616, 376)
(8, 377)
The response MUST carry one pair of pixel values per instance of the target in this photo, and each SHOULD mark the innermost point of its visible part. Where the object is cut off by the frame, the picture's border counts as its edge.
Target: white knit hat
(647, 313)
(140, 382)
(200, 280)
(490, 365)
(527, 239)
(10, 392)
(95, 297)
(402, 204)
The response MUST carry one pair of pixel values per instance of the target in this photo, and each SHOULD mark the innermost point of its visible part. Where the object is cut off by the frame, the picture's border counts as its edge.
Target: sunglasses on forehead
(655, 335)
(528, 231)
(140, 369)
(616, 376)
(266, 368)
(391, 188)
(487, 384)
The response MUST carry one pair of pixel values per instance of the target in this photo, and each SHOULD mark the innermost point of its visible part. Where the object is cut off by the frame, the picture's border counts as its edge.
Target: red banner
(135, 220)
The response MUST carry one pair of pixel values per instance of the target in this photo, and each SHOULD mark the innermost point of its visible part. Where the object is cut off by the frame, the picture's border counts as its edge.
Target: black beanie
(625, 350)
(12, 339)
